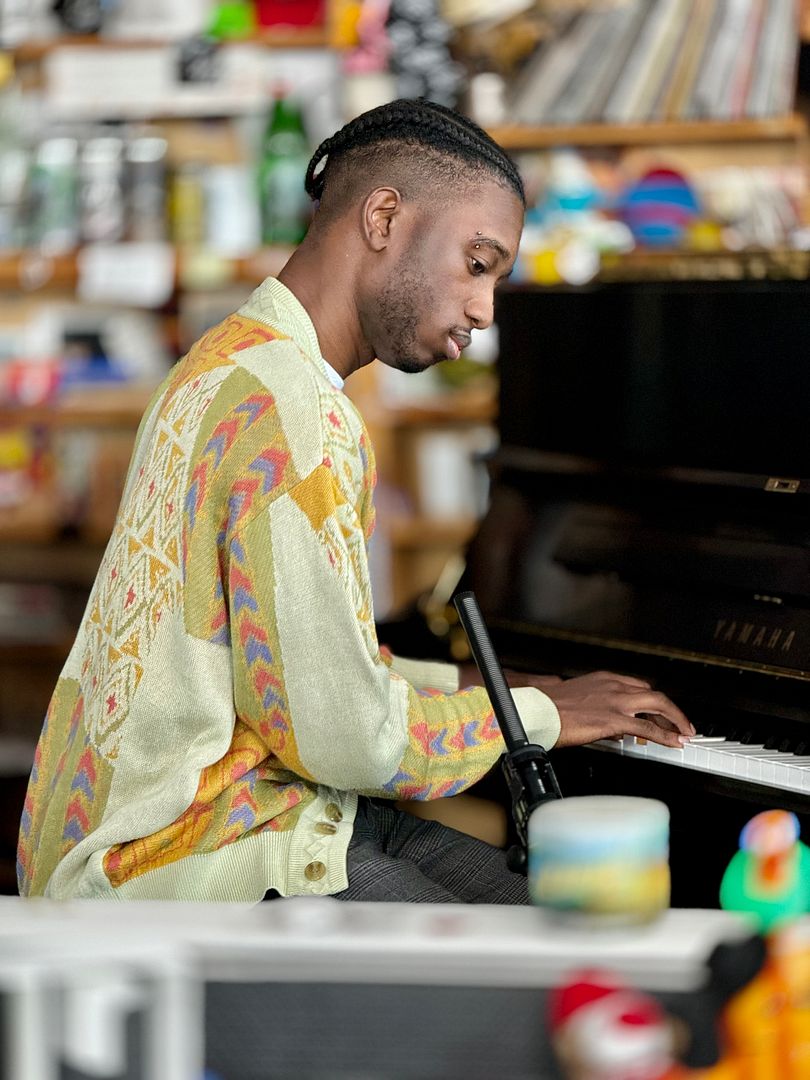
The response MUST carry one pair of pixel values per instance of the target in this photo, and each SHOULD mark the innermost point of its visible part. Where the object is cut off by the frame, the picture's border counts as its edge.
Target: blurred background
(152, 155)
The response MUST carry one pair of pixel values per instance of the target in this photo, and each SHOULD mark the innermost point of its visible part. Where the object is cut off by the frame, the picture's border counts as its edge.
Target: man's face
(440, 285)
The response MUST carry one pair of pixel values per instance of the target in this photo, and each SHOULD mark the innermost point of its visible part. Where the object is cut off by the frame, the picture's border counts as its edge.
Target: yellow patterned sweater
(226, 698)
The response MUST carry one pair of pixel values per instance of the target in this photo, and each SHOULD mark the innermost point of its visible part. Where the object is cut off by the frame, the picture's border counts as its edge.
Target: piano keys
(753, 763)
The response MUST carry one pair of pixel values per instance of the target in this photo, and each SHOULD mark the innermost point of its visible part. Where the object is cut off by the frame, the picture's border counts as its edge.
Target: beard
(400, 305)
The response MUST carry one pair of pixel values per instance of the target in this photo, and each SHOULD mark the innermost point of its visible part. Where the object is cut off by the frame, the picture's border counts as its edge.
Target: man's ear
(380, 213)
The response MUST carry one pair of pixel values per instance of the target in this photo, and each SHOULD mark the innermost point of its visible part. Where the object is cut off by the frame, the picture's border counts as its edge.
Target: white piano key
(785, 776)
(798, 770)
(769, 771)
(659, 752)
(640, 747)
(755, 763)
(782, 777)
(700, 755)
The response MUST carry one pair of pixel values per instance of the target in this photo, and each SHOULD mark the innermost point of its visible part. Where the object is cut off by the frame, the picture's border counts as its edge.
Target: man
(226, 724)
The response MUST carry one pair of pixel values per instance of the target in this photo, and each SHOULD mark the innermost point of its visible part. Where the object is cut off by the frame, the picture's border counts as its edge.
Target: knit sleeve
(308, 671)
(426, 674)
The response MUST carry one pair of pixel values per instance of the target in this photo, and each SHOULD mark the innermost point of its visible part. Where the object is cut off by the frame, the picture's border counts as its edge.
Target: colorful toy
(602, 1029)
(769, 876)
(659, 208)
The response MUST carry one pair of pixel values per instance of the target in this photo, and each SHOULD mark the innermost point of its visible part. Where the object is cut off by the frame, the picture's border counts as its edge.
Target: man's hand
(602, 705)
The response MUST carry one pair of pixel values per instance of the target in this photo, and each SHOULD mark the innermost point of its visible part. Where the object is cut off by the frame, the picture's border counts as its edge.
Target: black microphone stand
(526, 766)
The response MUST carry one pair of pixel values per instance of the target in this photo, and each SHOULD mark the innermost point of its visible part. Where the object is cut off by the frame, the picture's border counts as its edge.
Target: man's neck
(322, 281)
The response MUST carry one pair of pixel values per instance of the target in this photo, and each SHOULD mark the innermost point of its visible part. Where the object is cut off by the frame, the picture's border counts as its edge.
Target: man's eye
(477, 266)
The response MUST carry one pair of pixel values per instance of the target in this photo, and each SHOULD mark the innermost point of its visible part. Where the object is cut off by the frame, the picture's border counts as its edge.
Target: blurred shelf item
(804, 28)
(109, 79)
(522, 137)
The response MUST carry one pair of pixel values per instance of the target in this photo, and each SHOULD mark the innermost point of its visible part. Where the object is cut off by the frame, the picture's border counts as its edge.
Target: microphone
(526, 766)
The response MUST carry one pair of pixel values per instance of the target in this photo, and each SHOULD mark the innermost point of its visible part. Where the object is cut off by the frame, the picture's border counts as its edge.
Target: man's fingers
(629, 681)
(647, 728)
(659, 705)
(661, 721)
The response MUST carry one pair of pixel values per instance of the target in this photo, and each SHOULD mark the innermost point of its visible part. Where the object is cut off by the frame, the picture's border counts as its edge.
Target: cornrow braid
(414, 121)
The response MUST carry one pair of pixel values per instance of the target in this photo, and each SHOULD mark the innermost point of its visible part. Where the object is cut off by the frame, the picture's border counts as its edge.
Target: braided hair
(445, 141)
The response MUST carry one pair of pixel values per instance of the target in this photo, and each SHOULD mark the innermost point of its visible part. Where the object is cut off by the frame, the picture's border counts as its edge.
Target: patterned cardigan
(226, 698)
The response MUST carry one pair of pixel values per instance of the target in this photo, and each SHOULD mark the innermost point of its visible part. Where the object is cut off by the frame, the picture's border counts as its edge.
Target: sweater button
(332, 812)
(325, 828)
(314, 871)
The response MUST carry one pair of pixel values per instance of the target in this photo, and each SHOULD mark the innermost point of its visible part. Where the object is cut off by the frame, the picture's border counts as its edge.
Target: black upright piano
(650, 514)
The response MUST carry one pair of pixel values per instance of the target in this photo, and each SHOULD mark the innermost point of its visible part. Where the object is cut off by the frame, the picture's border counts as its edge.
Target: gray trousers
(394, 856)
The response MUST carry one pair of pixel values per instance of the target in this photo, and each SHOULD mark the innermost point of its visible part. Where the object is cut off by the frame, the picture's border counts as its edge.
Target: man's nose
(480, 309)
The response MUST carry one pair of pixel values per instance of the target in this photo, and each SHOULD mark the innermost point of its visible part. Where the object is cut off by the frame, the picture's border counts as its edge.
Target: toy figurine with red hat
(602, 1029)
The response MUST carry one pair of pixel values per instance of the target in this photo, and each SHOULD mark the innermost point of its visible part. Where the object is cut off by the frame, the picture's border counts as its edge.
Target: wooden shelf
(674, 265)
(422, 532)
(118, 406)
(30, 272)
(290, 37)
(453, 408)
(70, 563)
(282, 37)
(523, 137)
(52, 651)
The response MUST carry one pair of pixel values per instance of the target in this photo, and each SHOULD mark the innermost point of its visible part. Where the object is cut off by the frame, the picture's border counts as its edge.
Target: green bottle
(285, 205)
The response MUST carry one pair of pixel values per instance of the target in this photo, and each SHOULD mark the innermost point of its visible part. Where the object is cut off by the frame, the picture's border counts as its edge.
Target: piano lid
(652, 491)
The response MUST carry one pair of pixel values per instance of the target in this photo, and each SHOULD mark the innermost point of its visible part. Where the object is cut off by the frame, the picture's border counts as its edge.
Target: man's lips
(458, 340)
